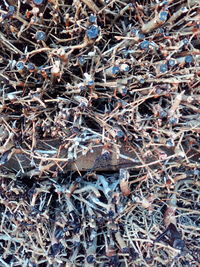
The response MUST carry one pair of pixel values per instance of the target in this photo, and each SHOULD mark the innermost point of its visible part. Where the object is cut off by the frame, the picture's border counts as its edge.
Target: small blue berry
(167, 33)
(90, 259)
(161, 30)
(163, 114)
(141, 36)
(134, 32)
(163, 15)
(11, 9)
(115, 70)
(38, 2)
(90, 83)
(163, 68)
(124, 91)
(165, 3)
(83, 88)
(144, 44)
(170, 143)
(173, 120)
(185, 41)
(92, 19)
(20, 65)
(123, 103)
(92, 32)
(124, 67)
(142, 80)
(188, 59)
(30, 66)
(120, 134)
(40, 36)
(172, 62)
(125, 53)
(81, 60)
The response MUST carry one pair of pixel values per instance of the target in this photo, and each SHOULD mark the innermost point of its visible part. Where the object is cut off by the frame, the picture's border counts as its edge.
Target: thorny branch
(98, 85)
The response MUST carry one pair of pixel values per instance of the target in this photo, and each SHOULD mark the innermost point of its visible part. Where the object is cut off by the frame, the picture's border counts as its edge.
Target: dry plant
(99, 133)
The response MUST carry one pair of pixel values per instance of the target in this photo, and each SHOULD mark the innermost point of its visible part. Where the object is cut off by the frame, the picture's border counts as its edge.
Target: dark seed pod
(111, 214)
(125, 250)
(59, 233)
(90, 259)
(178, 244)
(133, 254)
(55, 249)
(114, 260)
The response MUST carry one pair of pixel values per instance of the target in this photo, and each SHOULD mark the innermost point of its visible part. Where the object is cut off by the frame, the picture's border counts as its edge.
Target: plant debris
(99, 133)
